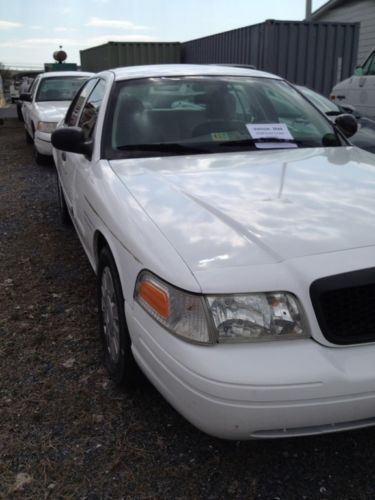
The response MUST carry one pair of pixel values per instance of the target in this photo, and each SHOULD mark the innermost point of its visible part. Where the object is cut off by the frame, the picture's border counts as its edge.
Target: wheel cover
(110, 315)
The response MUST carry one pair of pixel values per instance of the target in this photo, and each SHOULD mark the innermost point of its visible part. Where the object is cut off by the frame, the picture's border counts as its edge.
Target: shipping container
(116, 54)
(317, 55)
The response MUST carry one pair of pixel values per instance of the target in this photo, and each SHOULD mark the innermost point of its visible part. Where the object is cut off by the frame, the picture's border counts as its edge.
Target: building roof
(331, 4)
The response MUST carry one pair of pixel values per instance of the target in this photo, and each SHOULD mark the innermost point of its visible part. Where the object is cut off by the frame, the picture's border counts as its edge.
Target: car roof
(54, 74)
(131, 72)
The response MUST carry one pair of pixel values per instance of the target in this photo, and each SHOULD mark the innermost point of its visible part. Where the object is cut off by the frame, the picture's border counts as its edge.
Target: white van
(359, 89)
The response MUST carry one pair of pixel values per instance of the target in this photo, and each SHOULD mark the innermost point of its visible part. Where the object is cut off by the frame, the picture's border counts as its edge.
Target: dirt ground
(67, 432)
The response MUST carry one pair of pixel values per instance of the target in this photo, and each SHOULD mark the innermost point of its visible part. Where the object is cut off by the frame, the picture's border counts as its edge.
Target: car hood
(254, 208)
(342, 85)
(51, 111)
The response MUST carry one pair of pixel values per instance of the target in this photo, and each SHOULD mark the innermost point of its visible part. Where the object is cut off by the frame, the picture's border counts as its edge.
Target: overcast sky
(31, 30)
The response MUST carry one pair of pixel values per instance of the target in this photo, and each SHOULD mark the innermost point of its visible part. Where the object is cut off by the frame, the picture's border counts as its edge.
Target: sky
(31, 30)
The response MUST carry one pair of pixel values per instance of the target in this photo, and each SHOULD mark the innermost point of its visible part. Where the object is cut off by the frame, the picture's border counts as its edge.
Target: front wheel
(28, 138)
(118, 357)
(39, 158)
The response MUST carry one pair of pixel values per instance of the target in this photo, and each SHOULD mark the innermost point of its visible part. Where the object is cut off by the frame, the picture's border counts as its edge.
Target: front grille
(344, 305)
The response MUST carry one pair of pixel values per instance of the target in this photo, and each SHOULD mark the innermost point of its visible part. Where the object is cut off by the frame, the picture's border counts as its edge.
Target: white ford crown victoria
(233, 237)
(45, 105)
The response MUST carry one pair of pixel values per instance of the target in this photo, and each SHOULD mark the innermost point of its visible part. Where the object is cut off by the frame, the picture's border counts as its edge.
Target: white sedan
(46, 104)
(234, 243)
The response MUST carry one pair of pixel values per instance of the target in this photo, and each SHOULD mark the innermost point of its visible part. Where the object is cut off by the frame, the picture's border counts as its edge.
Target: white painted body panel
(243, 391)
(358, 91)
(45, 112)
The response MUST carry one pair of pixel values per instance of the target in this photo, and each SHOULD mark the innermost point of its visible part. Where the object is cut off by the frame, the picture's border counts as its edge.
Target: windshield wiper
(274, 139)
(334, 113)
(254, 142)
(169, 148)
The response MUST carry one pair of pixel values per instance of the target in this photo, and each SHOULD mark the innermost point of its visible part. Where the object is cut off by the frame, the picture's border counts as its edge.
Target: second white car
(46, 104)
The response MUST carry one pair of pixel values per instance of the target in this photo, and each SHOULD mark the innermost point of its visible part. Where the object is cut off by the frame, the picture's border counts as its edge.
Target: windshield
(160, 116)
(59, 88)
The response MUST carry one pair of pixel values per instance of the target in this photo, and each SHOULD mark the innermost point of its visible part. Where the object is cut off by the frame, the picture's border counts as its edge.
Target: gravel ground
(67, 432)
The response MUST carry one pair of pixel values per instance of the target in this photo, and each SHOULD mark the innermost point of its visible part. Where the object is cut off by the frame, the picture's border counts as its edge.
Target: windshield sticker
(220, 136)
(271, 135)
(269, 130)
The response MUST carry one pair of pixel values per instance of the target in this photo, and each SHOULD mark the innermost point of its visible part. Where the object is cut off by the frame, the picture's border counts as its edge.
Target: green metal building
(116, 54)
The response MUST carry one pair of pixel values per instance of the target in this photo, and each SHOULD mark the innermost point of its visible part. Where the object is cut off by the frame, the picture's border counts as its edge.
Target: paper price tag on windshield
(271, 135)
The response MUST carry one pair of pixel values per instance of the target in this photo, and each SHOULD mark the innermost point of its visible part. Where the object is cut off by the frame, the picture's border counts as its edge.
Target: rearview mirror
(71, 139)
(347, 124)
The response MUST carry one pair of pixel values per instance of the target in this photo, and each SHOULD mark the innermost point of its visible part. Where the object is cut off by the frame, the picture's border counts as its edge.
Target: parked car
(46, 104)
(234, 246)
(365, 136)
(359, 89)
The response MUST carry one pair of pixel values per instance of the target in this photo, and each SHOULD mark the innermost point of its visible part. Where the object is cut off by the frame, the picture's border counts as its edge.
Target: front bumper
(270, 389)
(42, 143)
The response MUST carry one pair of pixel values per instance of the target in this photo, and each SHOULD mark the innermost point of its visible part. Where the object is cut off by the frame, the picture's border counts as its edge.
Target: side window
(90, 111)
(369, 66)
(77, 103)
(371, 70)
(33, 87)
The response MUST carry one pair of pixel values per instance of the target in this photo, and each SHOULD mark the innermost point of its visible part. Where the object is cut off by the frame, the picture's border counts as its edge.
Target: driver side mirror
(71, 139)
(347, 124)
(25, 97)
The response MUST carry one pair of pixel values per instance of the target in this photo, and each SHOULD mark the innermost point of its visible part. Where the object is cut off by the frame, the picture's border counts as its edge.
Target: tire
(28, 138)
(118, 357)
(39, 158)
(63, 207)
(19, 113)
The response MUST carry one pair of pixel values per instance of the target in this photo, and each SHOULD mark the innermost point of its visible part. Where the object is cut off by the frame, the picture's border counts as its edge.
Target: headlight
(252, 317)
(257, 317)
(47, 127)
(180, 312)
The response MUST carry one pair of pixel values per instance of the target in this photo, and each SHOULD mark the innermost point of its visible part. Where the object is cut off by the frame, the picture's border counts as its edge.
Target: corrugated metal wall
(360, 11)
(116, 54)
(313, 54)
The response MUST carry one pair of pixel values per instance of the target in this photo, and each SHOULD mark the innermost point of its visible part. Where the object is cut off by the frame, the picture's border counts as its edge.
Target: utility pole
(308, 10)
